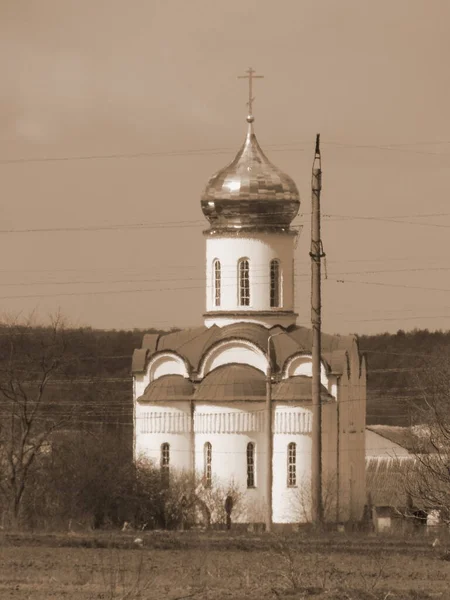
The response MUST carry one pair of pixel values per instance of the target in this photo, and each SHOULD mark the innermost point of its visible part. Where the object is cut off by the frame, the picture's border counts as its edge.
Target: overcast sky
(152, 84)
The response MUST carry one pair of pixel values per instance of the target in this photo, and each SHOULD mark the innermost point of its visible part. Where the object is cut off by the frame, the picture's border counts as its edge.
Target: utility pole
(316, 256)
(269, 441)
(269, 432)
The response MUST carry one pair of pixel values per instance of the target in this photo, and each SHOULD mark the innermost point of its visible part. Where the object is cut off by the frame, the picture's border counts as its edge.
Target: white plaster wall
(259, 249)
(229, 450)
(159, 424)
(268, 321)
(291, 504)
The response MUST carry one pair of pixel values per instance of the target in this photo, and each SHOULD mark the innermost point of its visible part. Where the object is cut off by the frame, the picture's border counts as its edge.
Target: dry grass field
(222, 566)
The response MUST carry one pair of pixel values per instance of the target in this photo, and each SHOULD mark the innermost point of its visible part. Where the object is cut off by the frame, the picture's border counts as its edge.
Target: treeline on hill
(94, 381)
(396, 365)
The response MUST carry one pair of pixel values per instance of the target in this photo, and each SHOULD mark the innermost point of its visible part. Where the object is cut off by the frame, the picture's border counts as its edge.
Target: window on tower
(217, 282)
(250, 465)
(244, 282)
(275, 283)
(165, 460)
(208, 468)
(292, 465)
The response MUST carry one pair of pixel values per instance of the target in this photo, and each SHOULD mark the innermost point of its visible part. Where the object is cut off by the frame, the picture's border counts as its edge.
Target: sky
(115, 113)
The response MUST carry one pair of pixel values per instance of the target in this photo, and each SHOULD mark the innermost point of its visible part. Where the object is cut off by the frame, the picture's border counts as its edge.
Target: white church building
(200, 394)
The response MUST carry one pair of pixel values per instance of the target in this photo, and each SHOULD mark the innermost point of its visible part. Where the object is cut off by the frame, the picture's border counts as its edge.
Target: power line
(281, 147)
(203, 223)
(161, 153)
(385, 220)
(396, 285)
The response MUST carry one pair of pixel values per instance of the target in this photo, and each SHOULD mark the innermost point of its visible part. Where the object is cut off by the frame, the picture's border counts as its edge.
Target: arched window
(244, 282)
(250, 465)
(217, 269)
(207, 449)
(292, 465)
(275, 283)
(165, 460)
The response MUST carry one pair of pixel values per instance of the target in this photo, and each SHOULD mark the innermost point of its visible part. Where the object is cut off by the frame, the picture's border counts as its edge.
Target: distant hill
(395, 363)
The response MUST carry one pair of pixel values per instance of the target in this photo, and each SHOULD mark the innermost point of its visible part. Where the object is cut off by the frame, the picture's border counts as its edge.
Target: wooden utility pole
(269, 441)
(269, 432)
(316, 256)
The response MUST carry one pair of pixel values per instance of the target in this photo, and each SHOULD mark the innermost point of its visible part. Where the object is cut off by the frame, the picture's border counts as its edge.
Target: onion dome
(250, 192)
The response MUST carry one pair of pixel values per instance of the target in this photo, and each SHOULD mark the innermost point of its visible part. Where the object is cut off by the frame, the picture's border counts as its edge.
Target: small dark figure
(228, 509)
(183, 512)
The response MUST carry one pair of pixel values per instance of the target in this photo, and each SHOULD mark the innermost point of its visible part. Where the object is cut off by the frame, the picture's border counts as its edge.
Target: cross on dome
(250, 76)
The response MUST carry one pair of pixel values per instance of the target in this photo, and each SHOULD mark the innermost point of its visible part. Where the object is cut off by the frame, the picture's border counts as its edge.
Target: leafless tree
(426, 478)
(31, 358)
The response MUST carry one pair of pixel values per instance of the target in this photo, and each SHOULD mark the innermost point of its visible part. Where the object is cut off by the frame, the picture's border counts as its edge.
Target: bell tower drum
(250, 205)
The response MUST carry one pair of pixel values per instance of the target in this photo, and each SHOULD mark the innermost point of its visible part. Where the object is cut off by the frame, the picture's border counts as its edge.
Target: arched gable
(301, 364)
(166, 363)
(236, 351)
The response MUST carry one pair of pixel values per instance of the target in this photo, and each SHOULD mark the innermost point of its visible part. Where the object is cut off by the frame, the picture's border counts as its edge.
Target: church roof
(233, 382)
(297, 389)
(193, 344)
(250, 191)
(168, 387)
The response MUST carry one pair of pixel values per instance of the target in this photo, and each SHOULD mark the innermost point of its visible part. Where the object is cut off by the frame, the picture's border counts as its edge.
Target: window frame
(244, 282)
(275, 283)
(217, 282)
(291, 465)
(251, 465)
(207, 472)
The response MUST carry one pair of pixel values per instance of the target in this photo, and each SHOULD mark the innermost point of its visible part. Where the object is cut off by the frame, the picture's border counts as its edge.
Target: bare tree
(301, 501)
(426, 478)
(31, 358)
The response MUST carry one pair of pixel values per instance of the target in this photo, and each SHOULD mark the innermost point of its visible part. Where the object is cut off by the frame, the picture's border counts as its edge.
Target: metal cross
(250, 76)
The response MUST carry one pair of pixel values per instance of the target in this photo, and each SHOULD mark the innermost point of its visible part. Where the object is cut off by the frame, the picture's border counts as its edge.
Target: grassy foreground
(222, 565)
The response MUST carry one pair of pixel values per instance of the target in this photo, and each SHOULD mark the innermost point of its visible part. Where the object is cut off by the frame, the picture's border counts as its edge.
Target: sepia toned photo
(224, 309)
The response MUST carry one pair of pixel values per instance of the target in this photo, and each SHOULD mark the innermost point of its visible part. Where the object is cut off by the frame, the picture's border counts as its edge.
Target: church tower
(250, 205)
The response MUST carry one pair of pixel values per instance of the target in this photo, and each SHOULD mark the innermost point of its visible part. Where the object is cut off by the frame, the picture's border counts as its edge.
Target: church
(200, 395)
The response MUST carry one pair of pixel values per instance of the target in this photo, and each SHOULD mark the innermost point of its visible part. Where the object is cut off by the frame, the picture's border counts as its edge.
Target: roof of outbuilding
(168, 387)
(233, 382)
(298, 389)
(384, 482)
(404, 437)
(192, 344)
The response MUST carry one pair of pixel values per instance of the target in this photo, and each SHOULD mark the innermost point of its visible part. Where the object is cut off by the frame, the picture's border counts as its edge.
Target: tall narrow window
(165, 460)
(217, 282)
(275, 283)
(208, 460)
(250, 465)
(292, 465)
(244, 282)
